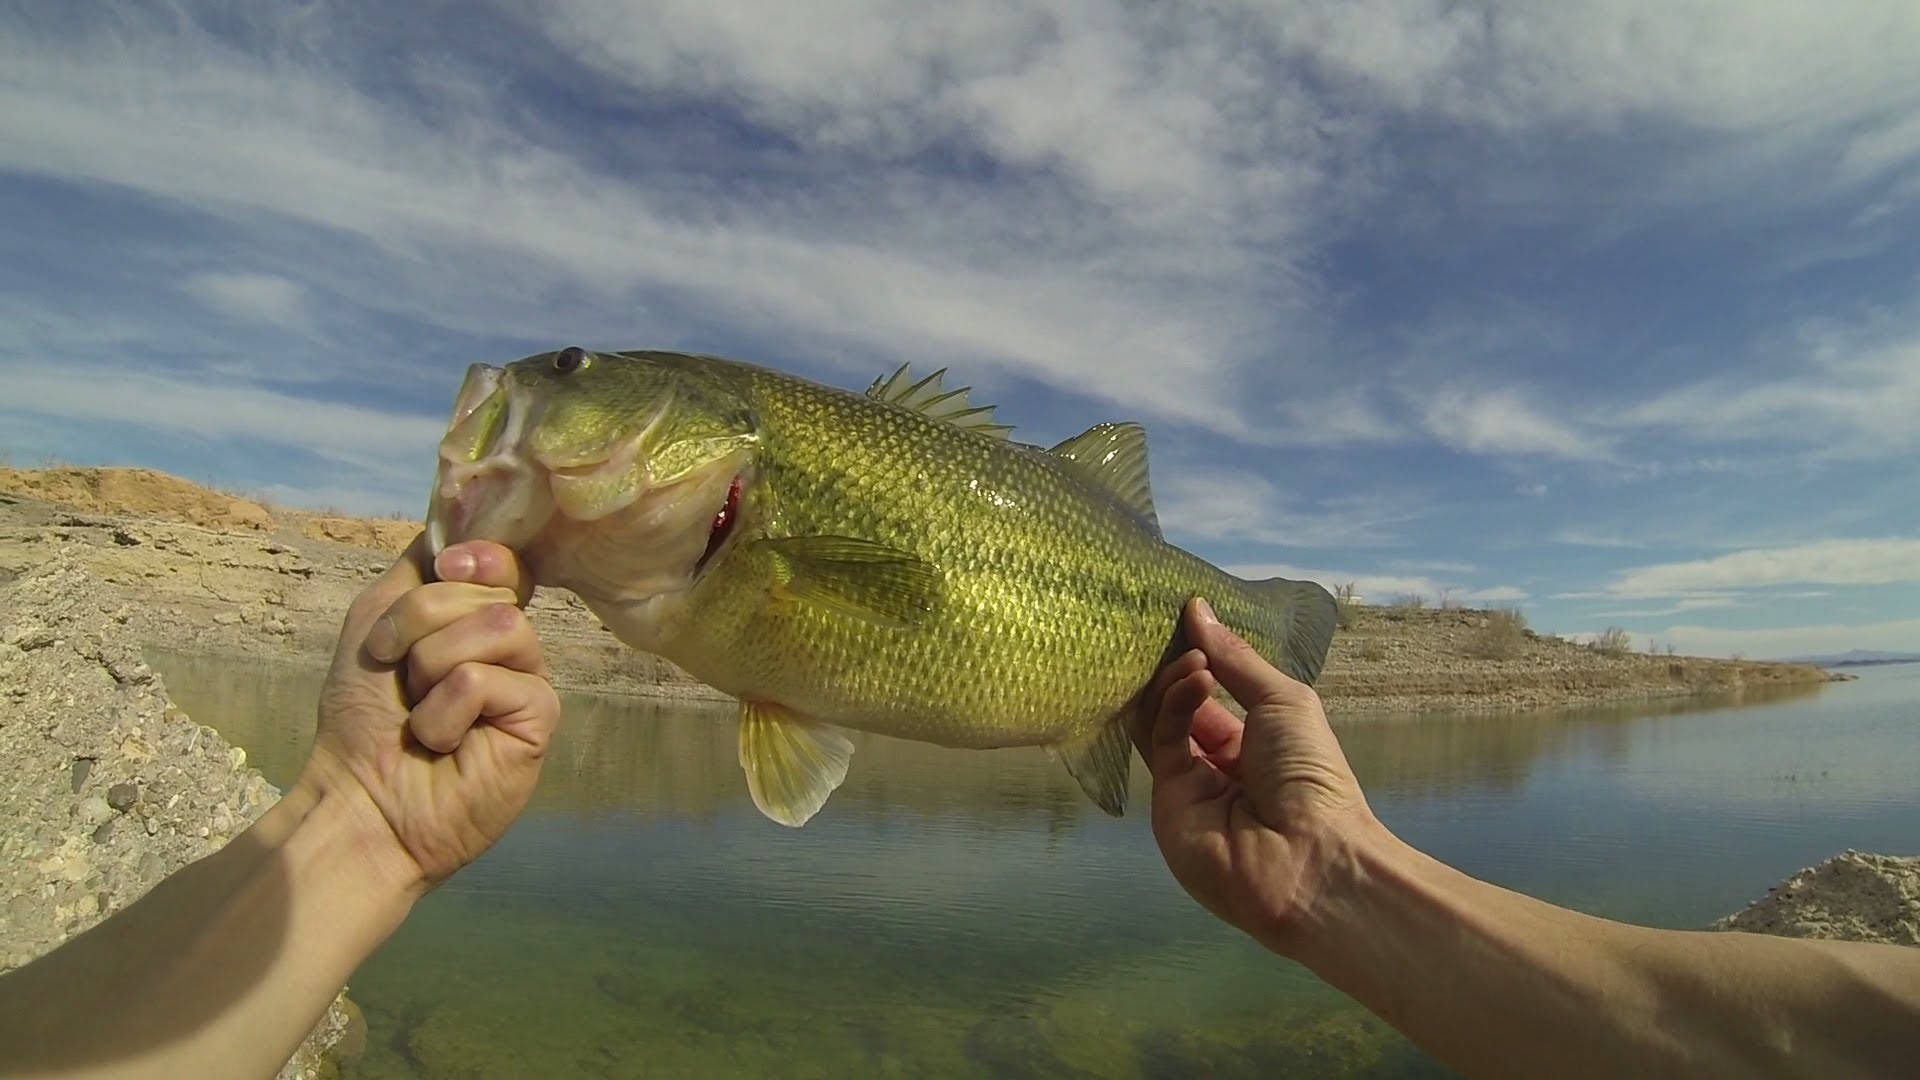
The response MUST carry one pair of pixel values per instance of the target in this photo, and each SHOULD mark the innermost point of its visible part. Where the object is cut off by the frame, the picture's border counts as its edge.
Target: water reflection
(969, 913)
(1440, 754)
(663, 758)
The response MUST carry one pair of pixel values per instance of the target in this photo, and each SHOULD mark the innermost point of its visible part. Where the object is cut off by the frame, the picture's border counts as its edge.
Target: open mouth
(723, 523)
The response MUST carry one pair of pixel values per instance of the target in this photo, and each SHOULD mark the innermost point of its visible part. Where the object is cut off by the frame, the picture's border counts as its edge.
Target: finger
(1151, 698)
(425, 609)
(1171, 750)
(1243, 672)
(497, 634)
(1218, 734)
(373, 601)
(521, 705)
(483, 562)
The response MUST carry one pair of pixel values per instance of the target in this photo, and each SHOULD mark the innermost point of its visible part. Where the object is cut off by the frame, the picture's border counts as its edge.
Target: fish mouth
(484, 489)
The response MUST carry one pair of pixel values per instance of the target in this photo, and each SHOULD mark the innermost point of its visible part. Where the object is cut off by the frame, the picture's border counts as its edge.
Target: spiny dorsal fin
(929, 398)
(1114, 456)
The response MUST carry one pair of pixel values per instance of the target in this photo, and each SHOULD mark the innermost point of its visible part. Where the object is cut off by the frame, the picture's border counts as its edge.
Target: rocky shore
(106, 787)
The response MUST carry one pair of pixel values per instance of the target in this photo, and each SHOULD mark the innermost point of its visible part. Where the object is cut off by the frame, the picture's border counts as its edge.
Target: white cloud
(382, 444)
(1377, 588)
(263, 298)
(1501, 422)
(1081, 274)
(1223, 503)
(1579, 537)
(1898, 635)
(1726, 67)
(1685, 603)
(1848, 391)
(1824, 562)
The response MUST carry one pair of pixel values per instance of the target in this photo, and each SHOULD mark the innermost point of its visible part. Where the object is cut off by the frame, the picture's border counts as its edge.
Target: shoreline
(239, 579)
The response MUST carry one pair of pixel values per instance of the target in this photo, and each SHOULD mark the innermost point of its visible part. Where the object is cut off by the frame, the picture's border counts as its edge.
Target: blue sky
(1608, 310)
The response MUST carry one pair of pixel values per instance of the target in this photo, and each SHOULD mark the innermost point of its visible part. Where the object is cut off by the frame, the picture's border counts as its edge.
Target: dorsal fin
(929, 398)
(1114, 456)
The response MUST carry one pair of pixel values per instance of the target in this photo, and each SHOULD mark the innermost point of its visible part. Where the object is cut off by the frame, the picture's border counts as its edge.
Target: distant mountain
(1858, 658)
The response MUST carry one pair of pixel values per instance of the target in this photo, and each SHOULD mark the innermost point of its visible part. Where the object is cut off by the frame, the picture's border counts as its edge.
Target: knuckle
(502, 618)
(467, 679)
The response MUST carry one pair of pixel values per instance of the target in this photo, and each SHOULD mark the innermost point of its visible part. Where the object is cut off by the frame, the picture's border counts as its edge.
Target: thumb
(407, 572)
(1241, 670)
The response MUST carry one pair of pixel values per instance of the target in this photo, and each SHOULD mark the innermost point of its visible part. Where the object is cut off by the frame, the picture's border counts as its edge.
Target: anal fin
(1100, 764)
(792, 763)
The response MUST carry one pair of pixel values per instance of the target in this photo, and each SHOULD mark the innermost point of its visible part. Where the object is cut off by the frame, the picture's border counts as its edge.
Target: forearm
(1496, 983)
(222, 968)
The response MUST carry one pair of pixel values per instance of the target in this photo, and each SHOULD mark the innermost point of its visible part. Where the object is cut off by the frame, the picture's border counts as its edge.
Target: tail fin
(1304, 617)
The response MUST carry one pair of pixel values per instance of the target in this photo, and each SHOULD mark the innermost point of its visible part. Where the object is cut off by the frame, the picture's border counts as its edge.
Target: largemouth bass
(890, 562)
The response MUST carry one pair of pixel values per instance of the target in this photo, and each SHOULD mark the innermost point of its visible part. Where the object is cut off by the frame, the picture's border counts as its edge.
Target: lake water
(960, 913)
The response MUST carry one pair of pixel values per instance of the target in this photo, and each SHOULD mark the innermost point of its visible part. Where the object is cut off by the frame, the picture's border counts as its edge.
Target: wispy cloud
(1824, 562)
(1502, 422)
(1849, 390)
(1685, 603)
(265, 298)
(387, 444)
(1383, 588)
(1234, 504)
(1900, 635)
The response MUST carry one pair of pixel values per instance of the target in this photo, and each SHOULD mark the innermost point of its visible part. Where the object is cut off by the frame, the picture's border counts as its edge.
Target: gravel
(105, 786)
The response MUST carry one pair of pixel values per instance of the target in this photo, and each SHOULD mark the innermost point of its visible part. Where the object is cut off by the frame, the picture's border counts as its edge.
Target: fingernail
(382, 639)
(455, 565)
(1205, 611)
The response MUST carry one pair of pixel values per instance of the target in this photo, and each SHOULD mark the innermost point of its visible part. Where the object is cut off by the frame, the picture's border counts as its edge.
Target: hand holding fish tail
(1264, 824)
(1244, 811)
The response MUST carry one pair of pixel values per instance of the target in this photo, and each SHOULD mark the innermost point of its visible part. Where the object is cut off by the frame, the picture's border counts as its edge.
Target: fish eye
(569, 360)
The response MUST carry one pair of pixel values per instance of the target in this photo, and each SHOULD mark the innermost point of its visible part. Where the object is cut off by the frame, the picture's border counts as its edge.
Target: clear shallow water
(967, 913)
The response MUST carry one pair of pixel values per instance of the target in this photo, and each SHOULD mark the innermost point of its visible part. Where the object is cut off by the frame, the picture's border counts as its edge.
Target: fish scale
(893, 567)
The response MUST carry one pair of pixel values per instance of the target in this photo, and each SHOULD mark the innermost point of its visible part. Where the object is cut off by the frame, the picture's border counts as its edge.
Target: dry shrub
(1613, 641)
(1503, 636)
(1345, 599)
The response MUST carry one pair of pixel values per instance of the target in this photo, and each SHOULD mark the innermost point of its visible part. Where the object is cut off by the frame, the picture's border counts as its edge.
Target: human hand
(1248, 814)
(436, 713)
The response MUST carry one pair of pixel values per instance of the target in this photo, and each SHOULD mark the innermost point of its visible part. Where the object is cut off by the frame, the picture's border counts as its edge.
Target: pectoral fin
(1100, 764)
(856, 578)
(792, 763)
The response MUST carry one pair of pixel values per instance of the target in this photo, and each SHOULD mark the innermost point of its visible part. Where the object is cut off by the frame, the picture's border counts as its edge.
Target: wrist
(1346, 865)
(334, 808)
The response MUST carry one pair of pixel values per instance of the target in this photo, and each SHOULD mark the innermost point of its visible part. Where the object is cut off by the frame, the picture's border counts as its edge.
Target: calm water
(967, 913)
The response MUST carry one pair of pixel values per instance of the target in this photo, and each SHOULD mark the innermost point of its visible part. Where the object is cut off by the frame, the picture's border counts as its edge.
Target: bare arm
(433, 722)
(1264, 824)
(222, 968)
(1499, 984)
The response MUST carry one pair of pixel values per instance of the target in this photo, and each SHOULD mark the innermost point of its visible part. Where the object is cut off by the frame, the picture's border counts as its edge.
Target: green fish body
(889, 562)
